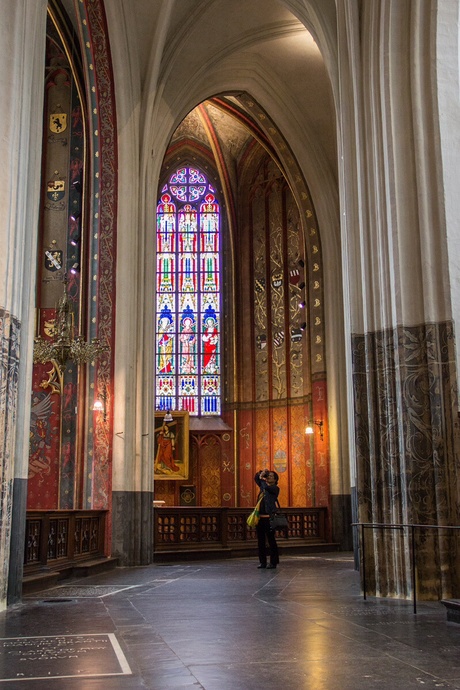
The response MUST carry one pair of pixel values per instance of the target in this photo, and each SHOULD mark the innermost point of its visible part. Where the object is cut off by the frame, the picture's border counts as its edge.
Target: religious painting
(171, 446)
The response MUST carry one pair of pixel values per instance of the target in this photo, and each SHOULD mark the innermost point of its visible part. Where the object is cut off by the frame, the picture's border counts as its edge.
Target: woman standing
(267, 481)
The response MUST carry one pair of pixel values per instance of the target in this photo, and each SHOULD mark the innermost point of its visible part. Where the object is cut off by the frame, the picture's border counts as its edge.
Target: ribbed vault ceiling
(199, 49)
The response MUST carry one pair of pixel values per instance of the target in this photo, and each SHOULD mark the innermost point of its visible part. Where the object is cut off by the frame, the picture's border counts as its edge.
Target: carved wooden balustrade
(57, 539)
(192, 528)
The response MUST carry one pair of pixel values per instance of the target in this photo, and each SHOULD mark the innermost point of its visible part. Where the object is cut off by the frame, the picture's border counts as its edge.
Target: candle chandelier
(64, 346)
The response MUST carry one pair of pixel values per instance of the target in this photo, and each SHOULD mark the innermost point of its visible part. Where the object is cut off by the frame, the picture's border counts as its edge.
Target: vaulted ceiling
(184, 52)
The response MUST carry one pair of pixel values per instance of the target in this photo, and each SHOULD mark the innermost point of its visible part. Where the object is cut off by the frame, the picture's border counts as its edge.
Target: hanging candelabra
(64, 346)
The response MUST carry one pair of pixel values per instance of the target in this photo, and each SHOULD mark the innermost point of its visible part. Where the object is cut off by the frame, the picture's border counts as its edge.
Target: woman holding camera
(267, 481)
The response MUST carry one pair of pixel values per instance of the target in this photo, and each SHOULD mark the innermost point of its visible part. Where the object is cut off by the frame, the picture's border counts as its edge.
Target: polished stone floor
(226, 626)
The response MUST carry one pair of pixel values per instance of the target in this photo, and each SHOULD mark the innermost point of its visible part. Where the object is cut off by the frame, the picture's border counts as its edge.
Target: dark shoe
(270, 566)
(263, 566)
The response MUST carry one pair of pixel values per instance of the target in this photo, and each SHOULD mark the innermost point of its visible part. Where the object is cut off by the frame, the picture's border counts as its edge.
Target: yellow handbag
(254, 517)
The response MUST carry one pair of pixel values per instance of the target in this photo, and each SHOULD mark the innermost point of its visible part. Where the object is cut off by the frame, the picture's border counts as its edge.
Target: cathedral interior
(231, 235)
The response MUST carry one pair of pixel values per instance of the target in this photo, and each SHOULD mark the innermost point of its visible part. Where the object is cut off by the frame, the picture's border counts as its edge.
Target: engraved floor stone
(79, 591)
(61, 656)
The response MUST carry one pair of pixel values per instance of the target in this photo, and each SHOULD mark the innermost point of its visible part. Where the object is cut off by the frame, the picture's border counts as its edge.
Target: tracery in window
(188, 366)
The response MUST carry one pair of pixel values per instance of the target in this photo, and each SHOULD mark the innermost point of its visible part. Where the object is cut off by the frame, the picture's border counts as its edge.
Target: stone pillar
(448, 83)
(22, 39)
(397, 281)
(132, 481)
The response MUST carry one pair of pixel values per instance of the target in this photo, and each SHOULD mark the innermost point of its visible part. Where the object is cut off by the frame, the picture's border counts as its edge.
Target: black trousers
(264, 534)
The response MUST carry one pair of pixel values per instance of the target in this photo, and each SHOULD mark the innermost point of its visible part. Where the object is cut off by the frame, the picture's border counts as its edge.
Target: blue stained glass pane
(195, 193)
(165, 402)
(187, 277)
(188, 386)
(210, 405)
(179, 177)
(196, 177)
(179, 192)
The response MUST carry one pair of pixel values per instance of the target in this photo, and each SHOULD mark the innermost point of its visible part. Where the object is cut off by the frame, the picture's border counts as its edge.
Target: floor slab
(229, 626)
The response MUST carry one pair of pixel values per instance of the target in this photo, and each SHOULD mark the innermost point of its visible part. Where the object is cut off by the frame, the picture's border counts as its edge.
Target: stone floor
(226, 626)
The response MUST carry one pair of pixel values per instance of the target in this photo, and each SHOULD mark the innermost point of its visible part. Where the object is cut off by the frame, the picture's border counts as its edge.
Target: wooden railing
(59, 538)
(186, 527)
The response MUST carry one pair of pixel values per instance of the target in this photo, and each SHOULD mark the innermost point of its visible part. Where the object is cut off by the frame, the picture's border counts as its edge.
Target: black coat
(271, 493)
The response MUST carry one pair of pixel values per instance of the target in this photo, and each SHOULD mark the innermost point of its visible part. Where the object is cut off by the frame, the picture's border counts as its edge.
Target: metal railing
(413, 549)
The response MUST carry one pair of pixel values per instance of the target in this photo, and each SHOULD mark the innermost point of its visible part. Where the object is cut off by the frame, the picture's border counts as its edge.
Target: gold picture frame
(171, 447)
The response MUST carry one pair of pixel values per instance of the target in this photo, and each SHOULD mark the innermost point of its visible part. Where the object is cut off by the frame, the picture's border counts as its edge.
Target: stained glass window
(188, 367)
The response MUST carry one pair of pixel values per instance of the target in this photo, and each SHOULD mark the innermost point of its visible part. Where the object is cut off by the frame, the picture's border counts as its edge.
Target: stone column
(448, 83)
(132, 482)
(22, 55)
(397, 280)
